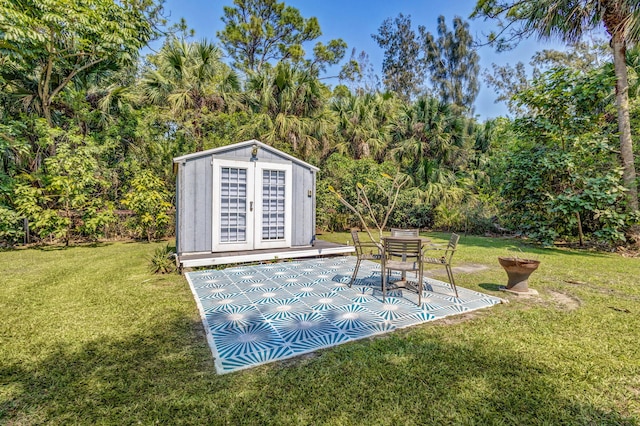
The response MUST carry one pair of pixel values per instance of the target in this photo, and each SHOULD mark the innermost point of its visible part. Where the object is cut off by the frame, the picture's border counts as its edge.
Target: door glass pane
(233, 202)
(273, 204)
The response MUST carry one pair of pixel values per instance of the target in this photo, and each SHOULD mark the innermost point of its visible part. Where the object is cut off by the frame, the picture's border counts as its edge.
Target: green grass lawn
(88, 336)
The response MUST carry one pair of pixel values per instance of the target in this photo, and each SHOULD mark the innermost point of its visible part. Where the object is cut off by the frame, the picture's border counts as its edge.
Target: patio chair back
(452, 245)
(365, 249)
(405, 255)
(398, 232)
(402, 248)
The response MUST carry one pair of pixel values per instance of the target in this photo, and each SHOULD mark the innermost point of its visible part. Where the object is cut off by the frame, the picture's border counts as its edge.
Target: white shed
(245, 202)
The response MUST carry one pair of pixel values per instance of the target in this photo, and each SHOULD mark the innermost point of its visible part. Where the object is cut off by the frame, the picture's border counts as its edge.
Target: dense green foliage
(49, 45)
(149, 201)
(569, 20)
(88, 128)
(568, 181)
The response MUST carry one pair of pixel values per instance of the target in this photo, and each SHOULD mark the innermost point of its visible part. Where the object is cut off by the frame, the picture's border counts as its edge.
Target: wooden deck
(320, 248)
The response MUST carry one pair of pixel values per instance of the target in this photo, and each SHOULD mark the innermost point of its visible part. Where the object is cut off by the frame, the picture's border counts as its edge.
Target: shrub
(10, 227)
(410, 213)
(147, 197)
(162, 260)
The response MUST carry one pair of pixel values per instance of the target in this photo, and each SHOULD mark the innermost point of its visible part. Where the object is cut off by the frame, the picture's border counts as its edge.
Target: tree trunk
(624, 125)
(580, 233)
(197, 133)
(44, 92)
(46, 111)
(363, 150)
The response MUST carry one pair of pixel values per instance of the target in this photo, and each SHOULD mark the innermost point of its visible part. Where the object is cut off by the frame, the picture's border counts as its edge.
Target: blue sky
(355, 20)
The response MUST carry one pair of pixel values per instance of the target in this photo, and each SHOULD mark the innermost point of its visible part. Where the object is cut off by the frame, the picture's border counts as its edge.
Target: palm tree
(363, 122)
(288, 107)
(568, 20)
(429, 136)
(191, 79)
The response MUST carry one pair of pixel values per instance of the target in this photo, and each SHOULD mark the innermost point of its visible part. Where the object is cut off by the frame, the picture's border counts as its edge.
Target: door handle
(250, 206)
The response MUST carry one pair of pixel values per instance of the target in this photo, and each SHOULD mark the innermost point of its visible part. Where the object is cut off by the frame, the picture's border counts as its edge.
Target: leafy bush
(147, 197)
(75, 185)
(96, 220)
(11, 231)
(68, 201)
(348, 178)
(31, 203)
(599, 205)
(548, 196)
(411, 213)
(448, 217)
(480, 215)
(329, 215)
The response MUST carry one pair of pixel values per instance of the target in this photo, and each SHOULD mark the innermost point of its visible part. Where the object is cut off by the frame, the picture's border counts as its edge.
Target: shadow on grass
(167, 240)
(61, 247)
(516, 246)
(491, 286)
(165, 375)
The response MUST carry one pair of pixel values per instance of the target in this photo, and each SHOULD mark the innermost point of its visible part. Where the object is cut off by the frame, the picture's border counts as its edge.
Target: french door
(251, 205)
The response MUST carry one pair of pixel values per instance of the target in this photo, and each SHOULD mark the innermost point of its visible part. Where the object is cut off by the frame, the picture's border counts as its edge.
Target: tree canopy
(264, 32)
(453, 63)
(48, 45)
(402, 66)
(568, 20)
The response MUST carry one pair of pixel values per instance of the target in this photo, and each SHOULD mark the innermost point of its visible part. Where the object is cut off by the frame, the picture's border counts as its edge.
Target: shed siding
(244, 154)
(196, 207)
(178, 213)
(302, 231)
(272, 157)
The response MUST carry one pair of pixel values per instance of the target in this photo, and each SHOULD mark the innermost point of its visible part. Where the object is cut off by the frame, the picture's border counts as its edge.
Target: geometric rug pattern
(264, 313)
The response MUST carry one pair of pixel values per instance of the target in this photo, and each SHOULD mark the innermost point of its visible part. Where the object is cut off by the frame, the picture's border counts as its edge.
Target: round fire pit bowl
(518, 271)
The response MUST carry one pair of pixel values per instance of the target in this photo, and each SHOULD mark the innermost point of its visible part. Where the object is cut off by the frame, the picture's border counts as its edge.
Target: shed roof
(240, 145)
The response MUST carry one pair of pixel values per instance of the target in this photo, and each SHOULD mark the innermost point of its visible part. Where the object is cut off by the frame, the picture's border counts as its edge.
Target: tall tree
(259, 32)
(359, 75)
(402, 65)
(48, 45)
(453, 63)
(568, 20)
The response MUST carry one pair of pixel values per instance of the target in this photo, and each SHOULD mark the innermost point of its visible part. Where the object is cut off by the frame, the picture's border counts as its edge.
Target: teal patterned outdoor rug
(264, 313)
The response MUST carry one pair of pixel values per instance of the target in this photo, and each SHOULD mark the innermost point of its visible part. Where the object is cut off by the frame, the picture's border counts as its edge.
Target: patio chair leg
(451, 280)
(355, 273)
(384, 285)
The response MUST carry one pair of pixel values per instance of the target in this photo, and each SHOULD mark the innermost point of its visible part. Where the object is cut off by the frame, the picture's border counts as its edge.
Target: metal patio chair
(367, 250)
(405, 255)
(401, 232)
(442, 256)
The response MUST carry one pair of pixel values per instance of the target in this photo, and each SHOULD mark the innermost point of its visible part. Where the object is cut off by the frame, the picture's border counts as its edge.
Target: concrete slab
(529, 292)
